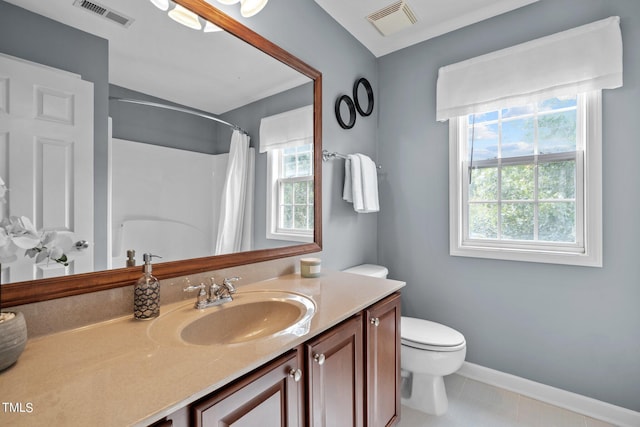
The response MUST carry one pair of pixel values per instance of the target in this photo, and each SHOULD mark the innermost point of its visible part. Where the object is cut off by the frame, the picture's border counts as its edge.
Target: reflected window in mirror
(290, 200)
(288, 140)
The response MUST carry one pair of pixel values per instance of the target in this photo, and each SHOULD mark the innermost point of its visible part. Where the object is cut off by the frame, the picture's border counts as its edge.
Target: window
(290, 195)
(526, 182)
(287, 138)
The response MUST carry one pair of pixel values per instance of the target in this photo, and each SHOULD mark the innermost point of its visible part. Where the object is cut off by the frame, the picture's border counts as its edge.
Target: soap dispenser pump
(146, 293)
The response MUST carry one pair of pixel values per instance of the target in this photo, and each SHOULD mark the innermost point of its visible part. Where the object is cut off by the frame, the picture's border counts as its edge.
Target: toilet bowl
(428, 352)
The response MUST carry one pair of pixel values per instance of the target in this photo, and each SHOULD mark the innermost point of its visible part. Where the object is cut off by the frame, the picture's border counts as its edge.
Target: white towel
(369, 184)
(361, 183)
(347, 191)
(356, 183)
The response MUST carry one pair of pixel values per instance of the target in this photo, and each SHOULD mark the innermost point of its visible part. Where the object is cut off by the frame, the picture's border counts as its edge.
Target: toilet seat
(426, 335)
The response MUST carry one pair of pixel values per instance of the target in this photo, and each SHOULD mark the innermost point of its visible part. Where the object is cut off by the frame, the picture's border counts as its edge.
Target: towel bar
(326, 156)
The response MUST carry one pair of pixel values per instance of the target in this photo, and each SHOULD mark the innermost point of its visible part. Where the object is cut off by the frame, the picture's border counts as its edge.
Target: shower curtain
(235, 227)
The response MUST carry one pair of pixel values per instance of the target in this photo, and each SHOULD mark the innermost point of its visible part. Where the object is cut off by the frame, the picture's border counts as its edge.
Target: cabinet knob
(319, 358)
(375, 321)
(296, 374)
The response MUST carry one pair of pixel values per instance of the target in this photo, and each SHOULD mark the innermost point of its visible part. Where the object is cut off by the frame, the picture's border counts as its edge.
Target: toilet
(429, 351)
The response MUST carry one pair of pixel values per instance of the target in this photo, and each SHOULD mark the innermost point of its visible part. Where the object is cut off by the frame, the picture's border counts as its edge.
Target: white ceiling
(213, 72)
(435, 17)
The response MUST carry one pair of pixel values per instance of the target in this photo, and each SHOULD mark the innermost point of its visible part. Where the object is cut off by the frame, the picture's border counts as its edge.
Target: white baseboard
(588, 406)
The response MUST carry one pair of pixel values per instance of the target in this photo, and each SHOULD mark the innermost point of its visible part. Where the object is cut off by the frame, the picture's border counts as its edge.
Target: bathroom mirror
(297, 76)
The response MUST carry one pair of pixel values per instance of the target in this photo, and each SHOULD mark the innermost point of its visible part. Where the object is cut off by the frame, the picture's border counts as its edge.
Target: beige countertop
(115, 373)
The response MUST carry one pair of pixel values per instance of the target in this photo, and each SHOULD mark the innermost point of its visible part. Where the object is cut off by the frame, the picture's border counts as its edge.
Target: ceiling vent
(393, 18)
(104, 11)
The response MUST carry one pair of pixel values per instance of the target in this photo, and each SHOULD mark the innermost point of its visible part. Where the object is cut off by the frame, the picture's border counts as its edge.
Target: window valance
(582, 59)
(288, 129)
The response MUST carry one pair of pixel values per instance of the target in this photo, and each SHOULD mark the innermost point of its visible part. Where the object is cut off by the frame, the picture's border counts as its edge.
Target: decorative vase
(13, 338)
(13, 335)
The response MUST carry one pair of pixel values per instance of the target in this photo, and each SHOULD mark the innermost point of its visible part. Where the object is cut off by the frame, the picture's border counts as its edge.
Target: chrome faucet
(217, 295)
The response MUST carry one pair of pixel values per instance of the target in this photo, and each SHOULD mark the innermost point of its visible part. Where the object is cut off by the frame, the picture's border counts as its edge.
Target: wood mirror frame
(27, 292)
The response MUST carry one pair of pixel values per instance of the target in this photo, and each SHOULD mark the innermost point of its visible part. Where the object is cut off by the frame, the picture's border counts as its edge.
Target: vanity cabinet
(335, 381)
(353, 370)
(348, 376)
(271, 396)
(382, 362)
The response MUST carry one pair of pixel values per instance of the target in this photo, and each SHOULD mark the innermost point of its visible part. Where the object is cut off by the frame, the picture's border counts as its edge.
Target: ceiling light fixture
(249, 8)
(161, 4)
(189, 19)
(210, 27)
(185, 17)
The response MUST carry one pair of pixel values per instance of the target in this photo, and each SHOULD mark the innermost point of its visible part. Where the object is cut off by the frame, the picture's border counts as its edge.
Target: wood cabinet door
(335, 384)
(382, 362)
(272, 396)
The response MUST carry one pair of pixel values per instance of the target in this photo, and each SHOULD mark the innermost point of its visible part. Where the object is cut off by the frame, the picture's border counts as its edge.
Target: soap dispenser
(146, 293)
(131, 258)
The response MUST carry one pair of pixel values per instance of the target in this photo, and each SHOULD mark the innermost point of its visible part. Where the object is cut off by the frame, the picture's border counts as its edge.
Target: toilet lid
(369, 270)
(425, 334)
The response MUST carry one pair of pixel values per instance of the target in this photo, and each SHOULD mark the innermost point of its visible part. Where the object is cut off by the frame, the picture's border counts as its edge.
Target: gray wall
(38, 39)
(575, 328)
(306, 31)
(166, 128)
(175, 129)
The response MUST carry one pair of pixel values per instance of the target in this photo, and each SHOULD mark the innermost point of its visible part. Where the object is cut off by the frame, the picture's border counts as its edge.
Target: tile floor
(475, 404)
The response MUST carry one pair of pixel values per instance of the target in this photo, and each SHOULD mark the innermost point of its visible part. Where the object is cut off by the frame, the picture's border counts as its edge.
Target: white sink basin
(250, 316)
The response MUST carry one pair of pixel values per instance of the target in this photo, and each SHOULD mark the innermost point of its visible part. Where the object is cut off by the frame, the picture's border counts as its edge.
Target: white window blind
(289, 129)
(579, 60)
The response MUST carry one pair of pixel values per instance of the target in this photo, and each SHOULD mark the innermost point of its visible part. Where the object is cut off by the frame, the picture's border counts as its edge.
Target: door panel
(270, 397)
(382, 325)
(46, 158)
(335, 380)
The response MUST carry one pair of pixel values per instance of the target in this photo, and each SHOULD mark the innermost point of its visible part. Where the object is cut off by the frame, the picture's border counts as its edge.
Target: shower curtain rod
(180, 109)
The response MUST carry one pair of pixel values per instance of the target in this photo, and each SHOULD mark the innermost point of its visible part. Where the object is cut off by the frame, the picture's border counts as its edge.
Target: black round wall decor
(367, 86)
(352, 112)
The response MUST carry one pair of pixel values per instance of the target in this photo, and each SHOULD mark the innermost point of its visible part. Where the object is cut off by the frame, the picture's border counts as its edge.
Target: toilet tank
(369, 270)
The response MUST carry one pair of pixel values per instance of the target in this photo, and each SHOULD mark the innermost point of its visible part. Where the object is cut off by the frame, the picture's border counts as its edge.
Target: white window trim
(273, 232)
(592, 201)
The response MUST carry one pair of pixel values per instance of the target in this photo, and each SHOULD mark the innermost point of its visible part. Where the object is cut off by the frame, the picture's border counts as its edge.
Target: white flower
(19, 233)
(23, 233)
(7, 247)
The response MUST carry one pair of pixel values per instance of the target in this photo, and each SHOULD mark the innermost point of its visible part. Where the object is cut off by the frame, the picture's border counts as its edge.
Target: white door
(46, 157)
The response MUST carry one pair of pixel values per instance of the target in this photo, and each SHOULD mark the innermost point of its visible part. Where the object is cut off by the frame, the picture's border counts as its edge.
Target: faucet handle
(227, 283)
(192, 288)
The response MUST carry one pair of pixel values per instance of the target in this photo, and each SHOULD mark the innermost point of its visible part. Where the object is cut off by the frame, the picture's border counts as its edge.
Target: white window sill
(555, 257)
(294, 237)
